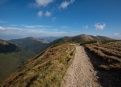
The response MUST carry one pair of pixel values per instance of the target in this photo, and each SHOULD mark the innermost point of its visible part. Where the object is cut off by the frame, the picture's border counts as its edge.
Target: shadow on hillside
(106, 78)
(9, 48)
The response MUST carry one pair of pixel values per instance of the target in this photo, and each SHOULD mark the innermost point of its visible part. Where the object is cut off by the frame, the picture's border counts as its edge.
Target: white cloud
(40, 13)
(47, 13)
(100, 26)
(85, 27)
(6, 29)
(65, 4)
(43, 2)
(2, 28)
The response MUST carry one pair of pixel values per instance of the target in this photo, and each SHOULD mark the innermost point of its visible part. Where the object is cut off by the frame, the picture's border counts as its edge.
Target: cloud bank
(30, 31)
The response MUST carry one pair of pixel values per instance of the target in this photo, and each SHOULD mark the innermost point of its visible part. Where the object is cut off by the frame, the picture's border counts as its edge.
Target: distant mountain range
(37, 45)
(32, 44)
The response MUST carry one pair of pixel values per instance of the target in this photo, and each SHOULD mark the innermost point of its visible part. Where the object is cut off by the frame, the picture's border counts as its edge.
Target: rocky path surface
(81, 72)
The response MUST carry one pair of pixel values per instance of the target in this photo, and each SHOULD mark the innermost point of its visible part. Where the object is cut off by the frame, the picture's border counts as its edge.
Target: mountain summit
(81, 38)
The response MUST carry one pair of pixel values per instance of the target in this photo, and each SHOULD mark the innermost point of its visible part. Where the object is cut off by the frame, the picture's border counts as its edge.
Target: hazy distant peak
(36, 39)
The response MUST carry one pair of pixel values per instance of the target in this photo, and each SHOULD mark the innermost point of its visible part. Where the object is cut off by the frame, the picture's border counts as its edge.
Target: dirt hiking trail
(81, 72)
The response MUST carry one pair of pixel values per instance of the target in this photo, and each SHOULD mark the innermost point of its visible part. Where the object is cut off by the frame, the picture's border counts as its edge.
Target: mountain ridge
(38, 39)
(32, 44)
(80, 38)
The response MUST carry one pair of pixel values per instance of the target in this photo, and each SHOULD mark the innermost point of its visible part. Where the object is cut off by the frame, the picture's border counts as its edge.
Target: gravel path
(81, 72)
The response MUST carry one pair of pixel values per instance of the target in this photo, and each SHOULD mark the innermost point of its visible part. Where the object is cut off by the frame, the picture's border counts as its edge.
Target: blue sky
(41, 18)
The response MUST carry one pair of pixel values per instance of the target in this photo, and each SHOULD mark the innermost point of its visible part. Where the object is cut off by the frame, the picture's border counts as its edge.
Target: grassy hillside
(108, 52)
(45, 70)
(31, 44)
(107, 62)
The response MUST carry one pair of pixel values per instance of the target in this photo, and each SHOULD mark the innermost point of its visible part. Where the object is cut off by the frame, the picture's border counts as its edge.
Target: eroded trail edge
(81, 72)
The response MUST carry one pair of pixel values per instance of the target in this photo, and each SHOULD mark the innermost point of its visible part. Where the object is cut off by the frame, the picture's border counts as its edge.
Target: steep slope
(11, 58)
(45, 70)
(32, 44)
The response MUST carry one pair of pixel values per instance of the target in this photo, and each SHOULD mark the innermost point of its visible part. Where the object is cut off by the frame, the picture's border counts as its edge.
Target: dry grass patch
(108, 52)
